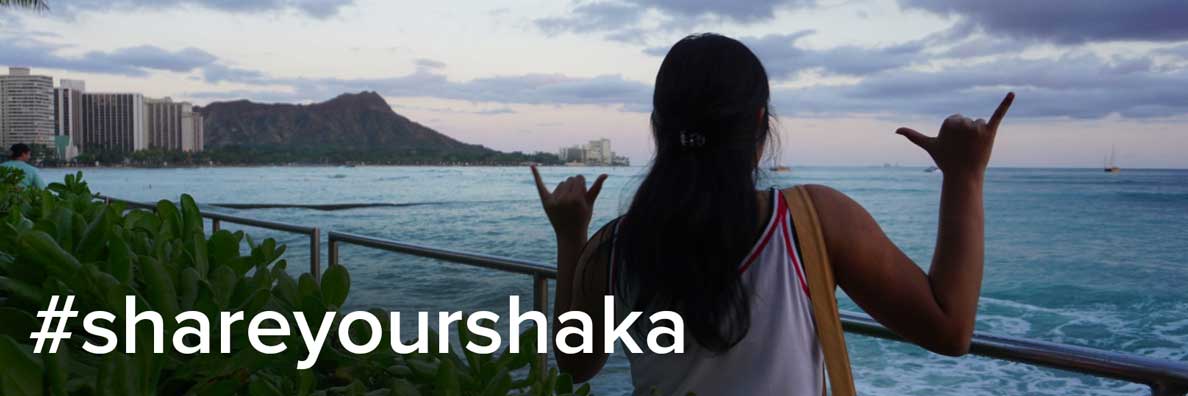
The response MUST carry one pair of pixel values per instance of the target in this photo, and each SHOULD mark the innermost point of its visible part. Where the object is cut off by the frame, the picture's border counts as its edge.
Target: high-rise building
(26, 108)
(572, 154)
(172, 125)
(598, 152)
(68, 117)
(199, 134)
(113, 122)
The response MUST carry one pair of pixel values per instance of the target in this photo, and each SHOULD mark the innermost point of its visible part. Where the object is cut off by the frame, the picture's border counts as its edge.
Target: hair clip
(692, 139)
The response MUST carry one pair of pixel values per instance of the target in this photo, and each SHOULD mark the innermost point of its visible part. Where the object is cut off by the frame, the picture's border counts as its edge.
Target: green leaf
(22, 371)
(222, 285)
(170, 218)
(64, 228)
(402, 387)
(261, 387)
(285, 289)
(191, 217)
(57, 371)
(336, 284)
(119, 259)
(17, 323)
(160, 292)
(197, 248)
(25, 293)
(447, 379)
(187, 289)
(564, 384)
(305, 382)
(93, 240)
(117, 376)
(308, 287)
(41, 249)
(499, 385)
(222, 247)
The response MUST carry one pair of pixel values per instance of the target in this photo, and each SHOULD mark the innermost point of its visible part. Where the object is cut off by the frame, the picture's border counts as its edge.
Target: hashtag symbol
(52, 315)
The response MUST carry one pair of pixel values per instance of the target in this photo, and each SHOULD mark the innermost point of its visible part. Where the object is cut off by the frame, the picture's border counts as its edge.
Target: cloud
(216, 73)
(536, 89)
(496, 111)
(1069, 21)
(1074, 86)
(592, 17)
(785, 59)
(131, 61)
(429, 64)
(621, 20)
(314, 8)
(150, 57)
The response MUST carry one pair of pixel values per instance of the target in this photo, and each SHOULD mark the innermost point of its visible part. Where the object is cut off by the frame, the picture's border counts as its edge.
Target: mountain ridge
(350, 121)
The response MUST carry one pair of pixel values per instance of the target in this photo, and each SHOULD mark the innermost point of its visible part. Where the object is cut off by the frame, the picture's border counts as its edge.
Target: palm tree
(33, 4)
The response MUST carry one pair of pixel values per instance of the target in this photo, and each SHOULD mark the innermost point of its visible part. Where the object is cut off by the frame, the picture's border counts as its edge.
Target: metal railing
(1165, 378)
(216, 220)
(540, 274)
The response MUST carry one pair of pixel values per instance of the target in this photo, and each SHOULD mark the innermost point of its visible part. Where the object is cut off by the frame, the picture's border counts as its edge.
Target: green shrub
(63, 241)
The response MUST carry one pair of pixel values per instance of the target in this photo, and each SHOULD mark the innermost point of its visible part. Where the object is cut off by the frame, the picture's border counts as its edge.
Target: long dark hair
(696, 213)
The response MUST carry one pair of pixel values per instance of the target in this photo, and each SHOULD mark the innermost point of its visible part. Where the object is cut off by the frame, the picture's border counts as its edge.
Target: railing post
(215, 225)
(540, 303)
(332, 251)
(315, 253)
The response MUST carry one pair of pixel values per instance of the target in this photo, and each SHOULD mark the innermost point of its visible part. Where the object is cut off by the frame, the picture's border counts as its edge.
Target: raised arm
(937, 309)
(569, 208)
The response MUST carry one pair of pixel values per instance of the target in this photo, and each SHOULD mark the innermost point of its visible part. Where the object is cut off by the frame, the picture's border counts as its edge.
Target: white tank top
(779, 355)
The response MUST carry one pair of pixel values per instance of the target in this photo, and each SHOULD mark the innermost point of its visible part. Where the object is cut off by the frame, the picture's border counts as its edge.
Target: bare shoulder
(841, 217)
(830, 202)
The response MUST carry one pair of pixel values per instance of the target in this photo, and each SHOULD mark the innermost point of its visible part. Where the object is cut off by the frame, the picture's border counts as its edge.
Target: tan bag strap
(822, 286)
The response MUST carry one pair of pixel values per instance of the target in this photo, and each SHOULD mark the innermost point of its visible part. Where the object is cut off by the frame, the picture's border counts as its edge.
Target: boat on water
(780, 168)
(1110, 167)
(931, 169)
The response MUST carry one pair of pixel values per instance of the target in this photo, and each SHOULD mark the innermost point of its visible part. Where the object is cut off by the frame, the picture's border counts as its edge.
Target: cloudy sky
(536, 75)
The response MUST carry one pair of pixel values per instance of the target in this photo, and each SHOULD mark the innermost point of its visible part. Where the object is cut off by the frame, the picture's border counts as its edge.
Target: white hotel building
(71, 120)
(26, 108)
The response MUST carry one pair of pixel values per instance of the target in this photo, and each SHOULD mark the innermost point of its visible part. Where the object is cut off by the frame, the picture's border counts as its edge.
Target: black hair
(18, 150)
(696, 212)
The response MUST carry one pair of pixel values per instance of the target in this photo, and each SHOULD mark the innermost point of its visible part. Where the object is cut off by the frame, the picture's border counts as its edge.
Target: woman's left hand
(570, 206)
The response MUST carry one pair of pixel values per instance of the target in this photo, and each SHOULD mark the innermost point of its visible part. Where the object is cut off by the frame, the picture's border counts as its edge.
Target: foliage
(11, 193)
(62, 241)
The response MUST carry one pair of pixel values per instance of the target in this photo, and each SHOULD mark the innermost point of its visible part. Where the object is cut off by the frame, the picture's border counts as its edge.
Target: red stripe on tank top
(766, 237)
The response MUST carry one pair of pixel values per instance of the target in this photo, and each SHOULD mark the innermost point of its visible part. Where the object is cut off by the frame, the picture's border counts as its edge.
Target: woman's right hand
(963, 146)
(570, 206)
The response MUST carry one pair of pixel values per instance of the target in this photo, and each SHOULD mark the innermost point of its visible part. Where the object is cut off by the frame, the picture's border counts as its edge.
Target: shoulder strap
(821, 289)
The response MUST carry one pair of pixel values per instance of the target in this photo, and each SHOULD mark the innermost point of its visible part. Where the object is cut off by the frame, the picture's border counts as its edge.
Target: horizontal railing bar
(247, 221)
(1077, 359)
(474, 259)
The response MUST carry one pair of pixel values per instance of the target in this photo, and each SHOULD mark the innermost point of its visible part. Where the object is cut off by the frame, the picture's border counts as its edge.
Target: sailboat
(1110, 167)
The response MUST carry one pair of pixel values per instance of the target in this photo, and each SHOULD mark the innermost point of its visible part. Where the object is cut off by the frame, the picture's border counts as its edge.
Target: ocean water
(1072, 256)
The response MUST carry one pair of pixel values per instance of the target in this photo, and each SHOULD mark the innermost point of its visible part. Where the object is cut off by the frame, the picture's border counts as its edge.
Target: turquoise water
(1073, 256)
